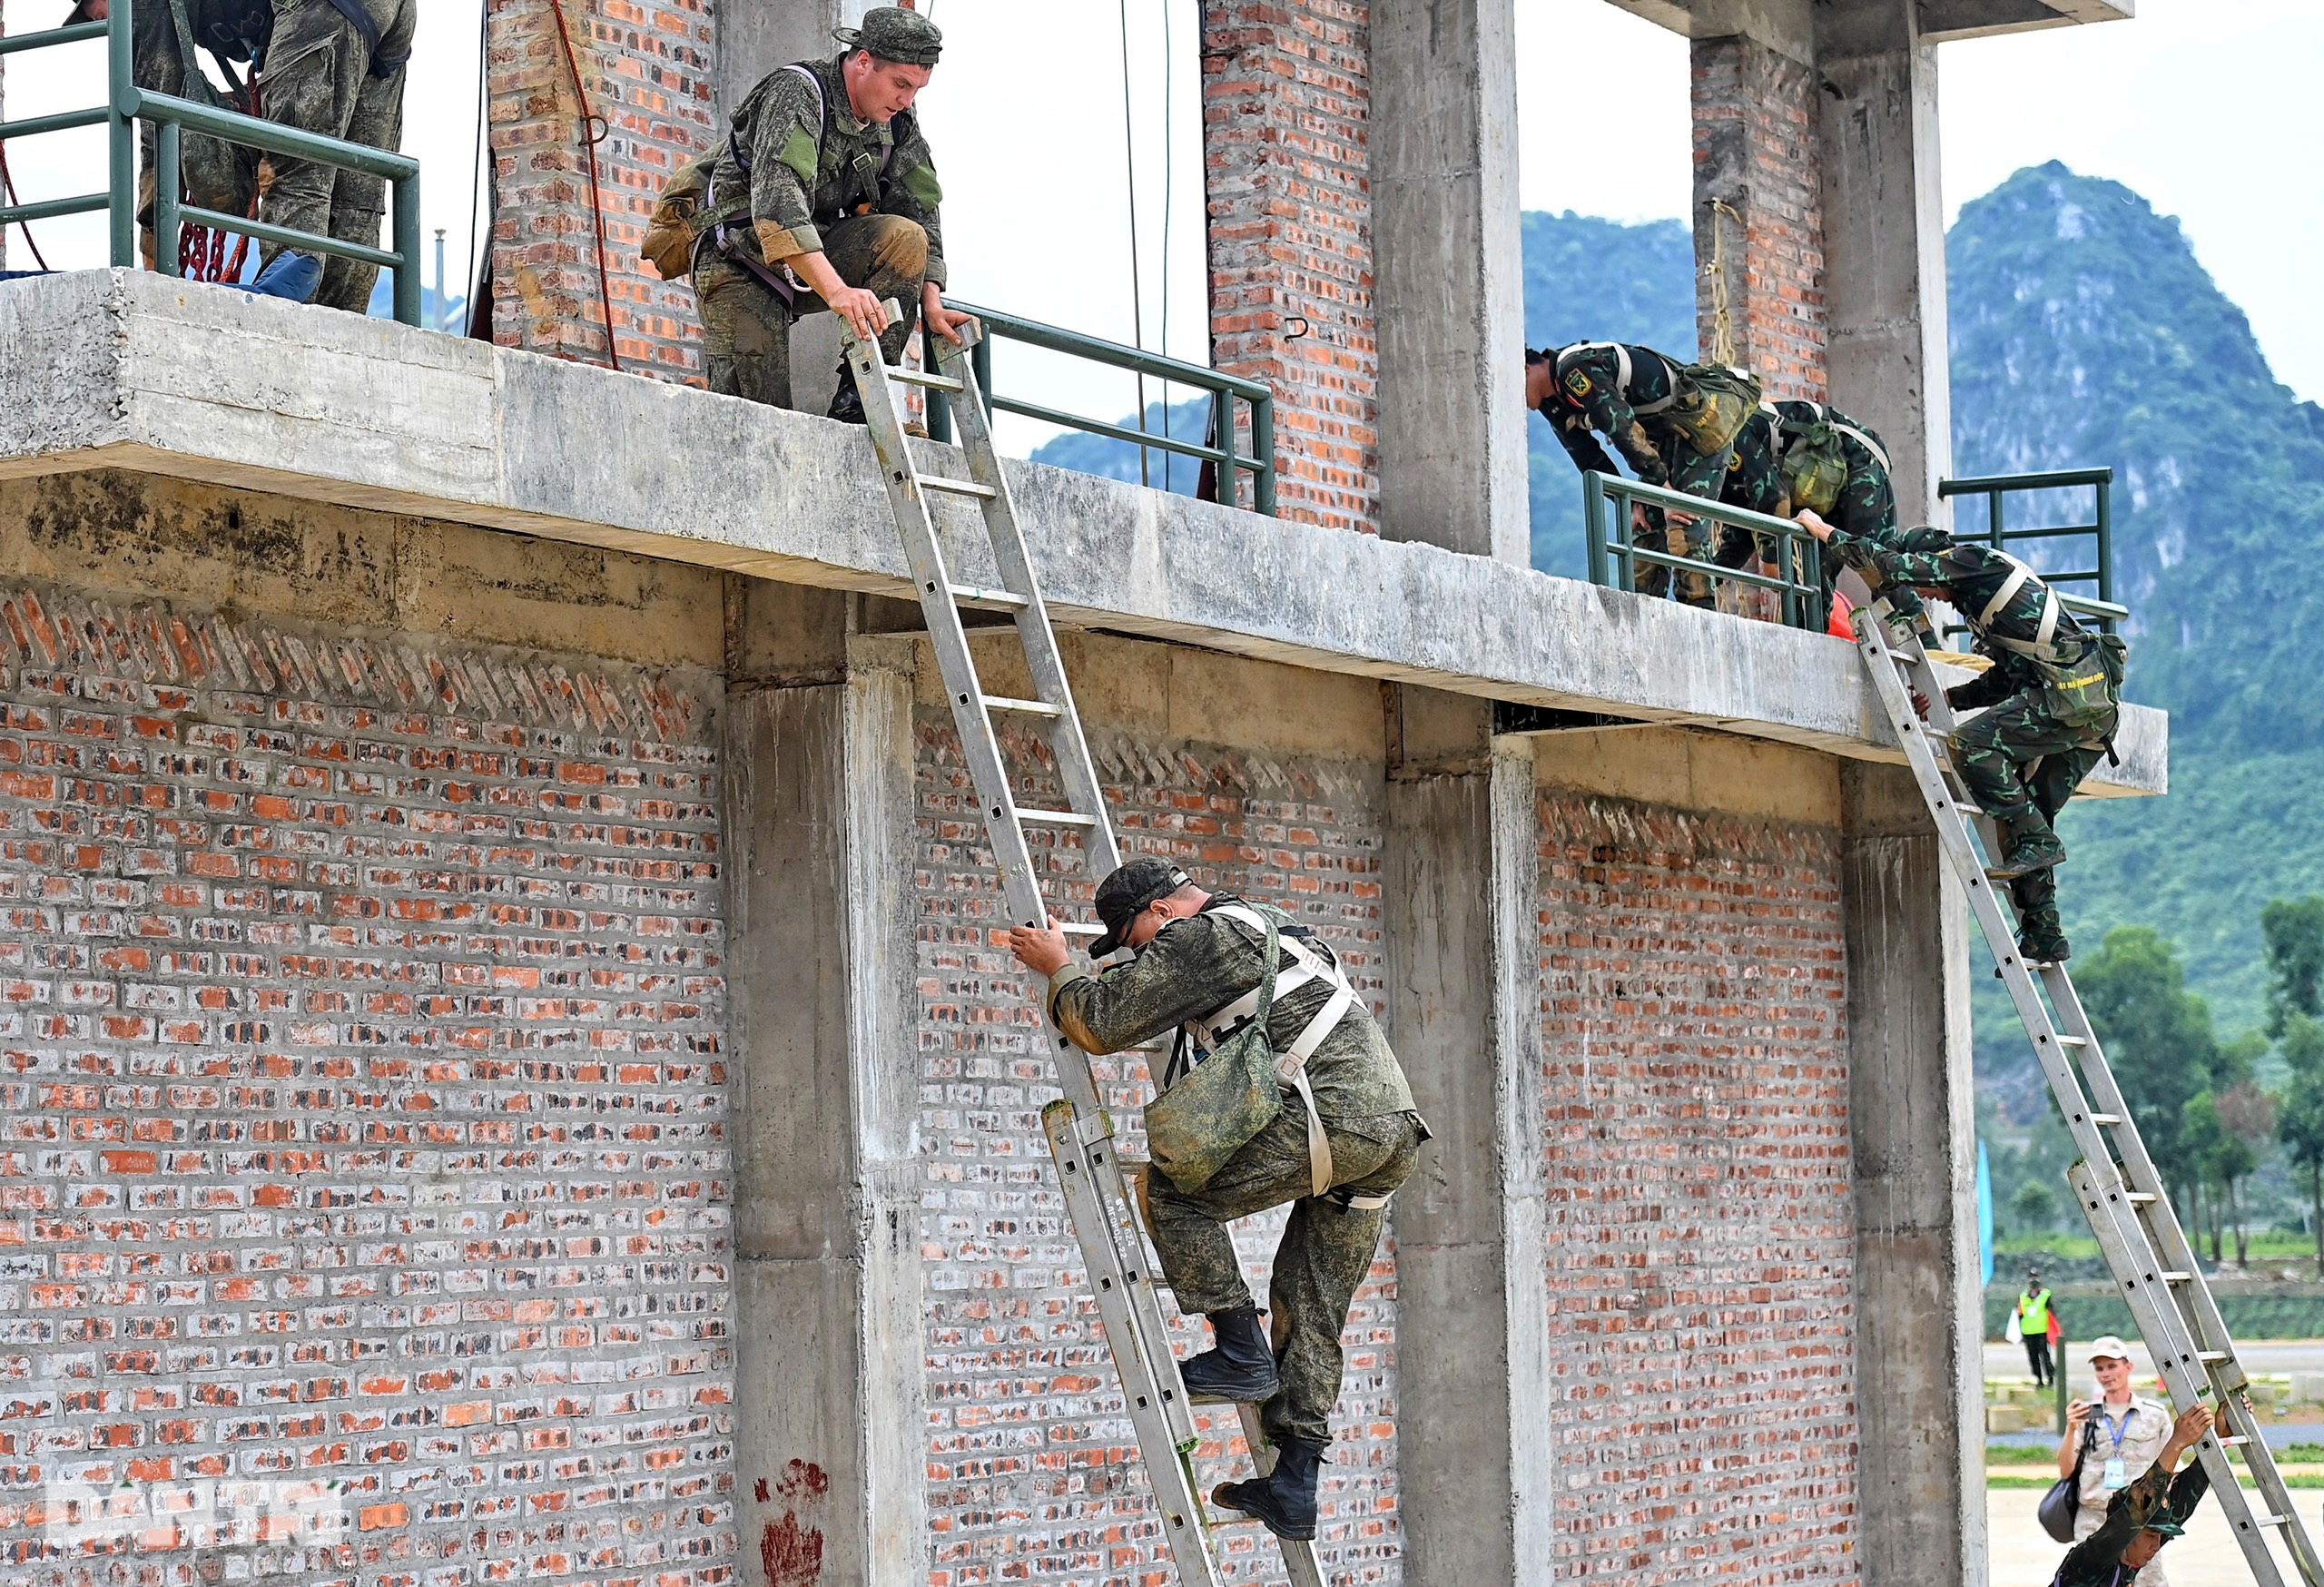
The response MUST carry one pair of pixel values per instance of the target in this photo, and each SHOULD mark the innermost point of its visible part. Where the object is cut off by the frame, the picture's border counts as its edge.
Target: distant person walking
(2033, 1328)
(2126, 1435)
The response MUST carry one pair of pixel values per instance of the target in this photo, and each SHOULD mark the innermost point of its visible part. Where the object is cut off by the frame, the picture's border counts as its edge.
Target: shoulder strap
(360, 19)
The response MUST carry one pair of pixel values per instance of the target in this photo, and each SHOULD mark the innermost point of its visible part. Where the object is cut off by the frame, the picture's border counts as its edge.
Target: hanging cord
(8, 185)
(1136, 294)
(1722, 333)
(589, 141)
(476, 163)
(1169, 167)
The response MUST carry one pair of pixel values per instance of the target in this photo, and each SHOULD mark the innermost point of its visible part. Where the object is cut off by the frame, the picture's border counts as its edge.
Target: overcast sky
(2201, 105)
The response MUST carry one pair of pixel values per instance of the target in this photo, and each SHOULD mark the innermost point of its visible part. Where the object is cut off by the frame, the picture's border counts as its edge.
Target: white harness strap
(1622, 371)
(1291, 1064)
(1866, 441)
(1824, 416)
(2019, 576)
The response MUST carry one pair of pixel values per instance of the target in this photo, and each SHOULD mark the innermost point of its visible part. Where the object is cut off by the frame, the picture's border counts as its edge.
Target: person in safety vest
(2051, 698)
(2033, 1327)
(823, 196)
(1674, 423)
(2143, 1516)
(1337, 1135)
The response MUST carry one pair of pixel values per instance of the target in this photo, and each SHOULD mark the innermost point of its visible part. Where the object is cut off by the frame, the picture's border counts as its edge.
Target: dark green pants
(1324, 1254)
(2022, 765)
(318, 78)
(747, 328)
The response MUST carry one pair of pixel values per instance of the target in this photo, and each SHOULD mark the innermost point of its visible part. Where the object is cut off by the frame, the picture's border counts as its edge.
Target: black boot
(2034, 851)
(847, 402)
(2044, 945)
(1285, 1499)
(1240, 1369)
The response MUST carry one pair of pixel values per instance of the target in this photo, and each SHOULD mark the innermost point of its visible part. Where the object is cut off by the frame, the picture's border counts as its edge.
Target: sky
(1038, 216)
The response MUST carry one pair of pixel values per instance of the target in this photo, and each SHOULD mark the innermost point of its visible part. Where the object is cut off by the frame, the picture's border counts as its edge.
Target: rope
(475, 162)
(1136, 293)
(8, 185)
(1169, 170)
(1722, 335)
(589, 141)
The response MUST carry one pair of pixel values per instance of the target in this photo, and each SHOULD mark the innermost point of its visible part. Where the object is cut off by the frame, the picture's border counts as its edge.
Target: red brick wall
(1755, 114)
(1287, 101)
(1029, 1457)
(647, 66)
(362, 1157)
(1701, 1224)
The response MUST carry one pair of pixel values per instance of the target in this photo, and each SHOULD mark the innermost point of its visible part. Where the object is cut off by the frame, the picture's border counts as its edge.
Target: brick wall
(1755, 112)
(647, 69)
(1285, 106)
(362, 1166)
(1030, 1461)
(1700, 1222)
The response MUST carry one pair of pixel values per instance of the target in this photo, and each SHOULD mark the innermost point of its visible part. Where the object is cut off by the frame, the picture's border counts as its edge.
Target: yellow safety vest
(2033, 1315)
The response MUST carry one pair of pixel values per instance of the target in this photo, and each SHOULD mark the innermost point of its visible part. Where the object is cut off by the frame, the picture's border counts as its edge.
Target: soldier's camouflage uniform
(1866, 504)
(235, 32)
(863, 195)
(2157, 1496)
(1638, 415)
(321, 75)
(2048, 717)
(1194, 968)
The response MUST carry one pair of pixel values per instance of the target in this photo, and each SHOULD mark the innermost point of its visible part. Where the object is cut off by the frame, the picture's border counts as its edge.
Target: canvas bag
(1220, 1103)
(1713, 402)
(2063, 1501)
(678, 219)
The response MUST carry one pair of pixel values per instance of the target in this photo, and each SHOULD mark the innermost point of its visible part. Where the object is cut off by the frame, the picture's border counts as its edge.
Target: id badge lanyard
(2114, 1476)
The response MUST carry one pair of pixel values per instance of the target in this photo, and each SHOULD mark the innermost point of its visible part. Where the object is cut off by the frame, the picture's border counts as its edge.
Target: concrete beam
(1945, 20)
(1451, 309)
(828, 1417)
(1462, 848)
(124, 369)
(1788, 25)
(1920, 1487)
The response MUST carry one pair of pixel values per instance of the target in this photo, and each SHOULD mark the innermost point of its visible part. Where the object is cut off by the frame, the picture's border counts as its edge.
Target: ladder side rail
(2145, 1292)
(1076, 770)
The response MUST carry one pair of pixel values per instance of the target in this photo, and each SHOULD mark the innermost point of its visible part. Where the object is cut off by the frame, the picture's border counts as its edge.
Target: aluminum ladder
(1080, 1133)
(2115, 1180)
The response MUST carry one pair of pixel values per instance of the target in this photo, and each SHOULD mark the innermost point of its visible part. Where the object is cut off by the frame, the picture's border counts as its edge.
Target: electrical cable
(1169, 168)
(1137, 295)
(477, 159)
(596, 201)
(8, 185)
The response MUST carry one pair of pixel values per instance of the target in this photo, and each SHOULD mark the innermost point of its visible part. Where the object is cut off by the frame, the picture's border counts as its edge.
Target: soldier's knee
(898, 246)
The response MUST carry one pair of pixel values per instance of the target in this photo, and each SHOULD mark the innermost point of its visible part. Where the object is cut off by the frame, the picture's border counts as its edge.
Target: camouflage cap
(1128, 888)
(894, 33)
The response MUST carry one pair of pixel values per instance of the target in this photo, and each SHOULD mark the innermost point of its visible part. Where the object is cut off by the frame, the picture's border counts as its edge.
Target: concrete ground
(2023, 1557)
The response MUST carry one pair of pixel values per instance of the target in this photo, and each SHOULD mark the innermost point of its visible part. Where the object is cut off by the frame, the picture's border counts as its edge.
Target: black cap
(1128, 888)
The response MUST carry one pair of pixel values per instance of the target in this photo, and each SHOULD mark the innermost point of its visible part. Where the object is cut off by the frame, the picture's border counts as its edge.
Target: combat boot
(2042, 944)
(1285, 1499)
(847, 402)
(1239, 1369)
(2034, 851)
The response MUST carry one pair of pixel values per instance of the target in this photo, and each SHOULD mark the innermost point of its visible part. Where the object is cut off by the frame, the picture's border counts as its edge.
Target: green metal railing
(2098, 601)
(1226, 390)
(1616, 558)
(127, 104)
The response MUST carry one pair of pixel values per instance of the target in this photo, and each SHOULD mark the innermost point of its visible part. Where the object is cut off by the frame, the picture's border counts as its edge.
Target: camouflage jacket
(1591, 395)
(1196, 966)
(1755, 472)
(813, 164)
(2097, 1560)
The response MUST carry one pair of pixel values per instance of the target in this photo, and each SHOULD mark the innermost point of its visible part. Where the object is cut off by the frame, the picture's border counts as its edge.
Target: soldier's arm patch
(1577, 382)
(799, 152)
(921, 183)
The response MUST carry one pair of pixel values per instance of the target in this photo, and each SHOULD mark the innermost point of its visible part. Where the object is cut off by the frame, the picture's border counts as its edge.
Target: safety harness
(1622, 370)
(1823, 416)
(1291, 1064)
(871, 174)
(2040, 647)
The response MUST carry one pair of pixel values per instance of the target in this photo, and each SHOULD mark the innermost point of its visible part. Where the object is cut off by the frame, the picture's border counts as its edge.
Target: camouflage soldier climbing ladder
(1080, 1134)
(2123, 1197)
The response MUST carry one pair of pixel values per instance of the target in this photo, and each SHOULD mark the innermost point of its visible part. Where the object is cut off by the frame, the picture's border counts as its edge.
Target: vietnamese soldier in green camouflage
(1674, 423)
(824, 196)
(2142, 1517)
(2051, 698)
(1795, 454)
(1197, 955)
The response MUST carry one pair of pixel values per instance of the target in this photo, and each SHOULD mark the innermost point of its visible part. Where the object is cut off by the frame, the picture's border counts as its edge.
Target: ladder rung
(2209, 1356)
(2074, 1042)
(2269, 1520)
(2232, 1440)
(1022, 707)
(2141, 1197)
(1078, 929)
(957, 486)
(2105, 1118)
(917, 377)
(2175, 1277)
(999, 600)
(1056, 817)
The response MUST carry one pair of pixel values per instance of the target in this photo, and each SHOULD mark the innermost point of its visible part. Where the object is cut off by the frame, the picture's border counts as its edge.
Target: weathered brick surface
(1286, 106)
(1755, 114)
(362, 1163)
(647, 69)
(1701, 1231)
(1030, 1457)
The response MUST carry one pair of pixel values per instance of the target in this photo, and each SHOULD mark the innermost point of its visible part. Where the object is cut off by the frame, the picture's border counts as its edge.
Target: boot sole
(1198, 1397)
(1289, 1534)
(2014, 874)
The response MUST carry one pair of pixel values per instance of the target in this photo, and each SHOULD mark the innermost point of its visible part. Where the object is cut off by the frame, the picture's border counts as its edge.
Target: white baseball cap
(2107, 1346)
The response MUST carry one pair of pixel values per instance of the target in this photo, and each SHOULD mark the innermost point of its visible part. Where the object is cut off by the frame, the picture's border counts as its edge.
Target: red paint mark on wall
(790, 1546)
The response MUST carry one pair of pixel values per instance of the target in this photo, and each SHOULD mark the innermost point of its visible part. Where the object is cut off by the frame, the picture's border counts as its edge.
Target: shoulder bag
(1220, 1103)
(2063, 1501)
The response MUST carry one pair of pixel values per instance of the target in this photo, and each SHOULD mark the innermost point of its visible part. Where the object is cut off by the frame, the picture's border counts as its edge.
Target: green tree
(2158, 1038)
(2299, 1123)
(2033, 1207)
(2248, 1116)
(2294, 933)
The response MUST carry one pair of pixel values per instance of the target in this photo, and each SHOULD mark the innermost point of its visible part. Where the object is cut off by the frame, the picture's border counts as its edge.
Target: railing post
(980, 361)
(169, 253)
(1995, 506)
(407, 248)
(121, 151)
(2106, 540)
(938, 407)
(1593, 518)
(1263, 449)
(1788, 565)
(1222, 423)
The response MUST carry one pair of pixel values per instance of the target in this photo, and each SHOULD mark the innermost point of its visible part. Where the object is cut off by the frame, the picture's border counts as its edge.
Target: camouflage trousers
(1698, 474)
(746, 327)
(1325, 1252)
(2022, 765)
(319, 79)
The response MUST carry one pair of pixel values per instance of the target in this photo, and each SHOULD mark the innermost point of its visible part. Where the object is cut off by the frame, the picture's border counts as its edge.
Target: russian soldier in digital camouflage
(1674, 423)
(2052, 699)
(2142, 1517)
(824, 197)
(1345, 1136)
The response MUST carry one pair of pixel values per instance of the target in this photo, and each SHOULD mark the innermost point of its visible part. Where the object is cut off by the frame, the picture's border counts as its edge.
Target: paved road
(2024, 1555)
(2003, 1360)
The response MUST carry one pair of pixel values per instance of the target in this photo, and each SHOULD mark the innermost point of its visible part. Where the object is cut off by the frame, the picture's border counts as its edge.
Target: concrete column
(829, 1453)
(1884, 238)
(1920, 1490)
(1474, 1393)
(1449, 287)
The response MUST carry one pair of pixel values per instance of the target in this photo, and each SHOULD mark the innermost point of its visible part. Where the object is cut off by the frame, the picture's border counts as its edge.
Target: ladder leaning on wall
(2115, 1180)
(1080, 1133)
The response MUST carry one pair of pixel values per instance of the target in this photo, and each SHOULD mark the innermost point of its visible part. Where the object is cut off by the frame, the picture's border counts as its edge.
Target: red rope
(590, 141)
(8, 182)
